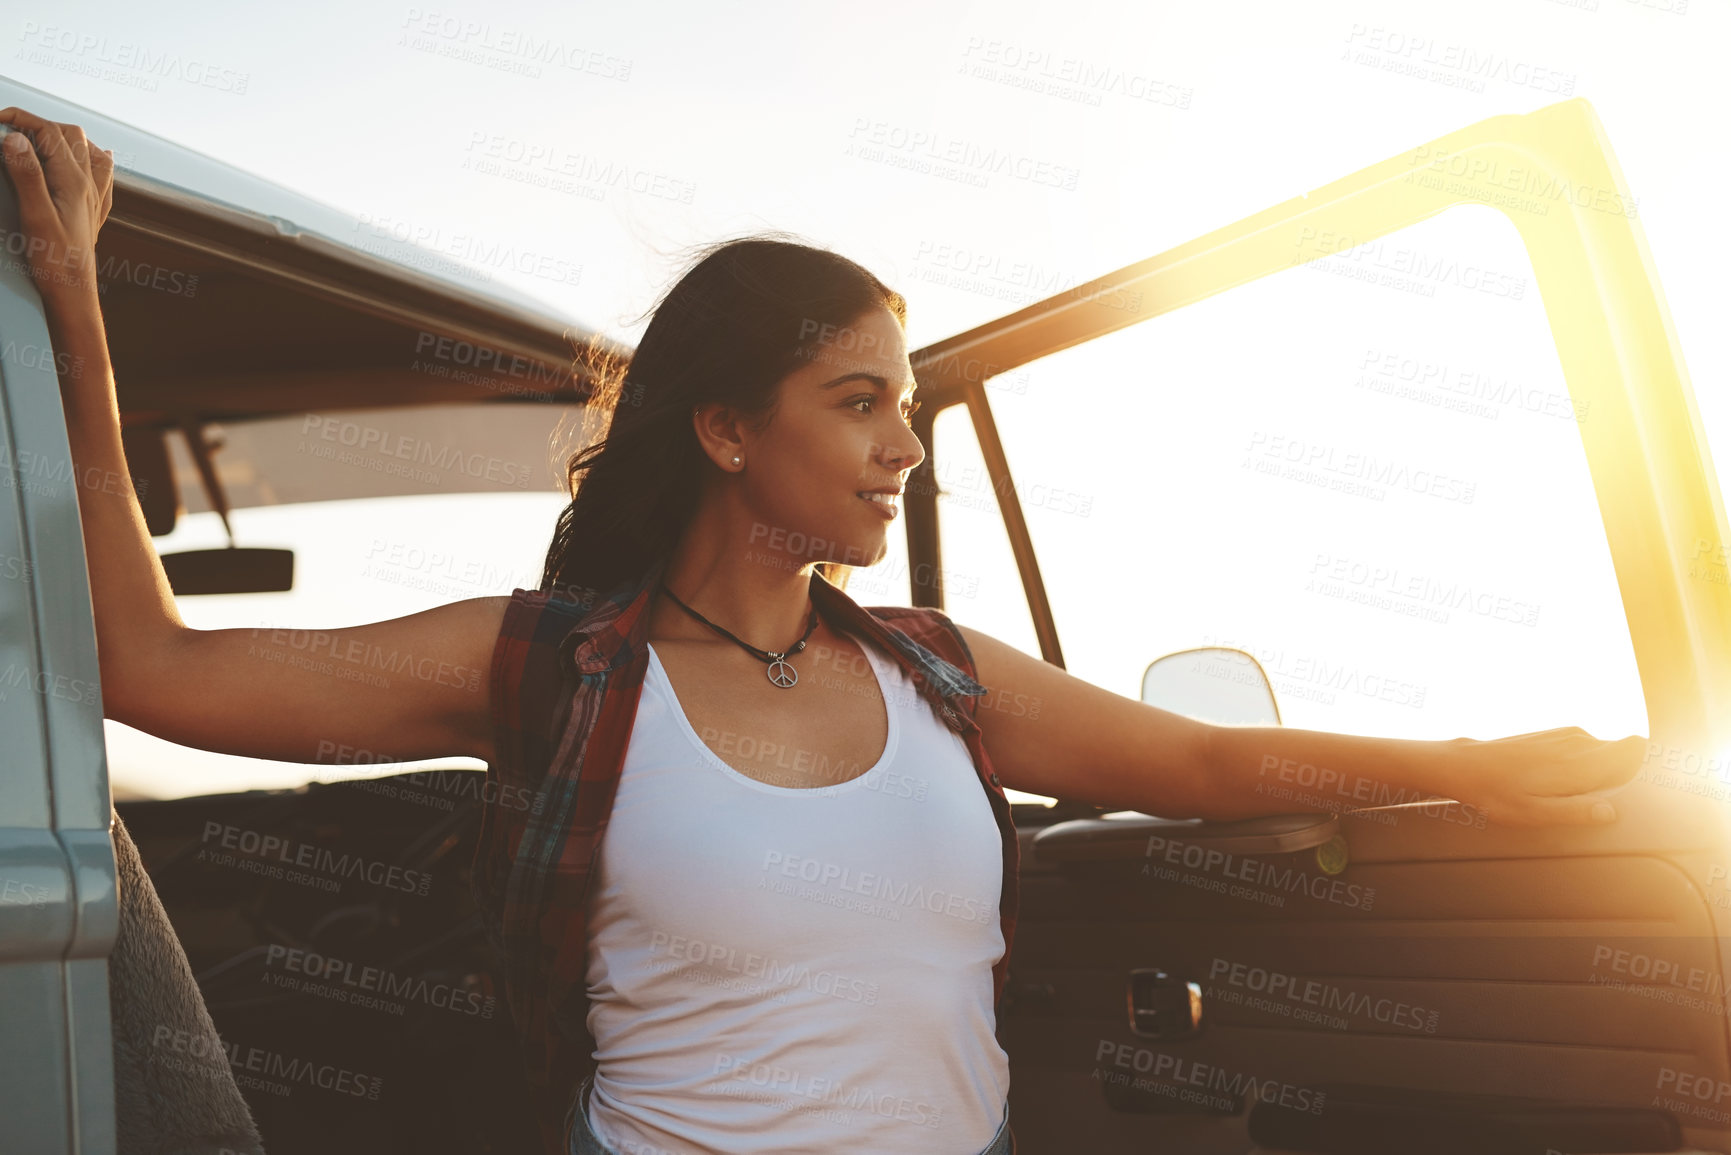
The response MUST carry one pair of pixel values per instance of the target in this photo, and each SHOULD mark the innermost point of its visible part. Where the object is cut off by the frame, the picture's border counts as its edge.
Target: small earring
(736, 461)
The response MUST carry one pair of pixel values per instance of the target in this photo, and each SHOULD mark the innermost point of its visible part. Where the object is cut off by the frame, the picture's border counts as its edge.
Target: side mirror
(230, 571)
(1214, 684)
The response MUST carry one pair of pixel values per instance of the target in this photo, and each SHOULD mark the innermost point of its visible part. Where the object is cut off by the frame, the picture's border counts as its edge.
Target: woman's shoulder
(932, 629)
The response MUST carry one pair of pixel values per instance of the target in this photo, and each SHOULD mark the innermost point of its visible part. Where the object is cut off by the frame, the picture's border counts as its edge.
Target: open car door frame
(1643, 884)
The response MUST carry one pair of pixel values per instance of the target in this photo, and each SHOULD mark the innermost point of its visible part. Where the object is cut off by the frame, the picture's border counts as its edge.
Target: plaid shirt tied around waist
(565, 681)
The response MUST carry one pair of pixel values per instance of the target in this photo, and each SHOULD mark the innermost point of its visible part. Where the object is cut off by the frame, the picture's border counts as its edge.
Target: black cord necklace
(781, 672)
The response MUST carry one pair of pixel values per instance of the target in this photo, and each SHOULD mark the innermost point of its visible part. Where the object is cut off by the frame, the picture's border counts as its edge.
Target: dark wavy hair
(745, 314)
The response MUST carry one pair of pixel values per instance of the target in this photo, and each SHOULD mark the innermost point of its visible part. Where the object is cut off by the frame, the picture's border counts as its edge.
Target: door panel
(1490, 605)
(1494, 976)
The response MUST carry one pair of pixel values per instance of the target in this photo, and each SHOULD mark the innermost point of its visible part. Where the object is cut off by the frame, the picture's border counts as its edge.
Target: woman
(797, 936)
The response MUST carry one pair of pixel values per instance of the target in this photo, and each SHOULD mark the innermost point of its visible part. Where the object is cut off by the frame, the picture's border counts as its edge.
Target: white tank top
(776, 969)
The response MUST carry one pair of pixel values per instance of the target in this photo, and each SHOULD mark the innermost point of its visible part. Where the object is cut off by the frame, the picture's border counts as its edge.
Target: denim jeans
(583, 1140)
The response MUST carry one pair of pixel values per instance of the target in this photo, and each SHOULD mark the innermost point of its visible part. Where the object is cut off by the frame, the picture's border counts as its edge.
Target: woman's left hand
(1545, 778)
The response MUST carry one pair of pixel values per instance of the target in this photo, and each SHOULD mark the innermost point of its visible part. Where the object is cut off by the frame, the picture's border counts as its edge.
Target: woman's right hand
(65, 189)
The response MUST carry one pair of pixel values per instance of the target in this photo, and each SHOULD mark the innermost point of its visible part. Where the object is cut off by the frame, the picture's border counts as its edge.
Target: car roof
(227, 296)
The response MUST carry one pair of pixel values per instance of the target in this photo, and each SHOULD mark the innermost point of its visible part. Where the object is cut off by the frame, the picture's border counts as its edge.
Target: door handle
(1163, 1006)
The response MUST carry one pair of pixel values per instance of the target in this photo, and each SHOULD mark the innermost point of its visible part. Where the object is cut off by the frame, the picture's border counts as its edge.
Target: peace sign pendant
(781, 673)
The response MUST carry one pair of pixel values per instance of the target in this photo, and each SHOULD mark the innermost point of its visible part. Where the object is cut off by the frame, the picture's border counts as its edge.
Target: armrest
(1126, 834)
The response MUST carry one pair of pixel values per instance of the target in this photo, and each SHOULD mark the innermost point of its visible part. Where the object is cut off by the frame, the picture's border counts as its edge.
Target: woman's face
(839, 432)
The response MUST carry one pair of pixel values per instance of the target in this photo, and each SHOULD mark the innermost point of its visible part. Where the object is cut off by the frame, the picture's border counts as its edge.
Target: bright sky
(1171, 533)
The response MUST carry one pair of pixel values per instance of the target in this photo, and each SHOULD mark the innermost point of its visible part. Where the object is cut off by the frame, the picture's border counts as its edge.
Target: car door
(1421, 444)
(58, 909)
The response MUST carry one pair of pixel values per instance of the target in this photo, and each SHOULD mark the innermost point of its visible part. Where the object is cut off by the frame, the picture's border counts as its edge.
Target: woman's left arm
(1049, 732)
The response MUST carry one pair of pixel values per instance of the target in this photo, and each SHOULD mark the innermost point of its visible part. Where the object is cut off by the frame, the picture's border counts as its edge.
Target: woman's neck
(760, 595)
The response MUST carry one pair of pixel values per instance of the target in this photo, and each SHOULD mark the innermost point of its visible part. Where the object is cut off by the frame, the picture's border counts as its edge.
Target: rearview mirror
(1212, 684)
(230, 571)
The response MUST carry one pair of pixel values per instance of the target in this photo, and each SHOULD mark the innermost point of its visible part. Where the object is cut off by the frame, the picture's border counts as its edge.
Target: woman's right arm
(407, 688)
